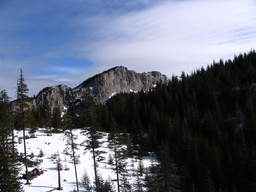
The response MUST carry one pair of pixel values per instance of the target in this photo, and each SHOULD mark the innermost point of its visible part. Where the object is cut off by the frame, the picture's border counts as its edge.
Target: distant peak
(120, 67)
(117, 68)
(62, 85)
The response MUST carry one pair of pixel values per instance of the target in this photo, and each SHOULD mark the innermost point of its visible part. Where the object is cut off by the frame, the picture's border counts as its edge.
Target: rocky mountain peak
(117, 80)
(100, 87)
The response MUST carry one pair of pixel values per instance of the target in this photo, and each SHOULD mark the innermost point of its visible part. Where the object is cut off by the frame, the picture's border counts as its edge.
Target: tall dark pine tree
(8, 165)
(22, 91)
(93, 144)
(119, 167)
(69, 125)
(56, 119)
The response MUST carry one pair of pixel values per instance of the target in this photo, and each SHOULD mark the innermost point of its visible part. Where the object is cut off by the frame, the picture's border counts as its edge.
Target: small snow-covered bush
(54, 156)
(20, 140)
(66, 168)
(66, 152)
(76, 162)
(27, 137)
(32, 155)
(105, 186)
(32, 163)
(32, 131)
(32, 135)
(86, 182)
(41, 153)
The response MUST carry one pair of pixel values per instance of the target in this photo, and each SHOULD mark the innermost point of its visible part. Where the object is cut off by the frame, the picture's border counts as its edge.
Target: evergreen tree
(86, 182)
(152, 181)
(69, 125)
(22, 91)
(93, 144)
(44, 115)
(120, 156)
(31, 120)
(104, 186)
(8, 157)
(56, 119)
(125, 184)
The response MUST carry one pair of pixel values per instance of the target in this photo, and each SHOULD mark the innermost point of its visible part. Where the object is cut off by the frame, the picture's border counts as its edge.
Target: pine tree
(151, 182)
(22, 91)
(8, 157)
(93, 144)
(124, 183)
(119, 167)
(69, 125)
(139, 185)
(168, 171)
(56, 119)
(104, 186)
(44, 115)
(86, 182)
(31, 121)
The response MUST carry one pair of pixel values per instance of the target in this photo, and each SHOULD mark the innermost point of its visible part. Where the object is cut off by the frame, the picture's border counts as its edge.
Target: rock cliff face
(99, 87)
(56, 96)
(117, 80)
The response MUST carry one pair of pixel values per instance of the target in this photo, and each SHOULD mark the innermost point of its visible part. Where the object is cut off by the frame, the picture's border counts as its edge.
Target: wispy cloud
(176, 36)
(66, 41)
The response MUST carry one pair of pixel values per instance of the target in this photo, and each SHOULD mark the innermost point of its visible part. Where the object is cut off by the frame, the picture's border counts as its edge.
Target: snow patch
(64, 111)
(112, 94)
(132, 91)
(52, 144)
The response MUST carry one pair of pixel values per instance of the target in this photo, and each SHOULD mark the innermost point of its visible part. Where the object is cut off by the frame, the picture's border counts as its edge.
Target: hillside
(204, 122)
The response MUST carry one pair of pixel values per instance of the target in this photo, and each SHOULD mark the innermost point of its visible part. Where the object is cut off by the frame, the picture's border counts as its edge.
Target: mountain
(117, 80)
(100, 87)
(56, 96)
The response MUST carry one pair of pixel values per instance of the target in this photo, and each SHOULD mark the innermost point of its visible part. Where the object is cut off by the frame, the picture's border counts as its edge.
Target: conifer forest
(201, 128)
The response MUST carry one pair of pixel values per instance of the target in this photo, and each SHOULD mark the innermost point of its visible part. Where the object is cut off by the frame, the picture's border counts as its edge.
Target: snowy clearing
(51, 144)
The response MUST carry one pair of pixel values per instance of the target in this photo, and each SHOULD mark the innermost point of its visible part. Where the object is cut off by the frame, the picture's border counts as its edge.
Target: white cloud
(175, 36)
(166, 35)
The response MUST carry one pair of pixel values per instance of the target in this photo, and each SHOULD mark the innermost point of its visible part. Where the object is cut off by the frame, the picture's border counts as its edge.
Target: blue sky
(66, 41)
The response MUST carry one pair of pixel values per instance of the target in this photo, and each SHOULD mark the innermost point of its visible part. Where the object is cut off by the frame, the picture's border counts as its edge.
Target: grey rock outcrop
(100, 87)
(117, 80)
(57, 96)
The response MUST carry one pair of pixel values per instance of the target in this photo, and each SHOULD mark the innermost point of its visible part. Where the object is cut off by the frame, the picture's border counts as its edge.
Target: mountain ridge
(100, 87)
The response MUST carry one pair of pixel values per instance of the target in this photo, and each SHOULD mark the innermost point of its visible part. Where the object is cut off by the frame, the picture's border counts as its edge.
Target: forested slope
(202, 126)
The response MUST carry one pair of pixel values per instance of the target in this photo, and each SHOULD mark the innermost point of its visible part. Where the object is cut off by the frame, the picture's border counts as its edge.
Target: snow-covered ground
(56, 144)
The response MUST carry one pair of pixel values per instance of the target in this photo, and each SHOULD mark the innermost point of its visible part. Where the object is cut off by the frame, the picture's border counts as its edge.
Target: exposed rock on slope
(99, 87)
(117, 80)
(56, 96)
